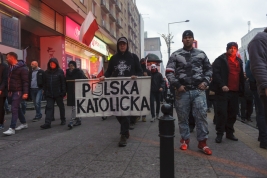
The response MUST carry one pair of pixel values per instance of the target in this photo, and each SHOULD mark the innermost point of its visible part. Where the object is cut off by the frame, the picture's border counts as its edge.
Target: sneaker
(123, 141)
(203, 146)
(63, 122)
(45, 126)
(36, 119)
(152, 119)
(131, 126)
(10, 131)
(70, 125)
(184, 144)
(78, 122)
(22, 126)
(143, 119)
(2, 126)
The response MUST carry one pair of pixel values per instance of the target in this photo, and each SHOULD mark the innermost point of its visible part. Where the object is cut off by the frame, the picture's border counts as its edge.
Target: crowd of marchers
(193, 80)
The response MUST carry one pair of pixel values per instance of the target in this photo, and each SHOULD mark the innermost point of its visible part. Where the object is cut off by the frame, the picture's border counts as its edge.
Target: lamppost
(168, 38)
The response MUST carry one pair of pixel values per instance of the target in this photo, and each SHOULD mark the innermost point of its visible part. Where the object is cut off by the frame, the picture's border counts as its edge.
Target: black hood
(118, 45)
(53, 60)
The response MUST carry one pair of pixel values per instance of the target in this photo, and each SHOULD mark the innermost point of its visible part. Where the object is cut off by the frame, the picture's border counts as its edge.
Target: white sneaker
(10, 131)
(22, 126)
(152, 119)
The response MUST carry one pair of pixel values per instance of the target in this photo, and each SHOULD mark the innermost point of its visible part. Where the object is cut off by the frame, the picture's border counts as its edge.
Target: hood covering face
(55, 61)
(124, 39)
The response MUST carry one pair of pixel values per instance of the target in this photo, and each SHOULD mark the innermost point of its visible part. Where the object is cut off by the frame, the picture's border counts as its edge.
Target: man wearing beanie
(228, 85)
(189, 71)
(257, 49)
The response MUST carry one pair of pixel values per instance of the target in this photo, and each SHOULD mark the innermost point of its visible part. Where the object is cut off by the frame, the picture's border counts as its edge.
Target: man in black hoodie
(257, 49)
(123, 64)
(54, 91)
(17, 86)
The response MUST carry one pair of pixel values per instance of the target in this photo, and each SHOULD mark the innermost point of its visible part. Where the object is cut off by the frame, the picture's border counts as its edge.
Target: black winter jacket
(123, 64)
(54, 81)
(3, 79)
(157, 81)
(70, 85)
(18, 79)
(257, 50)
(40, 78)
(220, 74)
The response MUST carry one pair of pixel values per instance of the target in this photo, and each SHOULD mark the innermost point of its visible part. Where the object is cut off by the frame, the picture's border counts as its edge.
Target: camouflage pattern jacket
(188, 68)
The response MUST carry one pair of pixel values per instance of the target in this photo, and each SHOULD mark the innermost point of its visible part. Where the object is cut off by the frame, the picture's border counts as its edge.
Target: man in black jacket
(3, 92)
(228, 85)
(157, 85)
(18, 88)
(123, 64)
(54, 91)
(257, 49)
(36, 78)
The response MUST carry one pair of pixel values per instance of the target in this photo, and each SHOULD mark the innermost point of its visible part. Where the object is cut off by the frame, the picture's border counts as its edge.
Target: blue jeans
(260, 116)
(194, 100)
(23, 106)
(16, 110)
(36, 95)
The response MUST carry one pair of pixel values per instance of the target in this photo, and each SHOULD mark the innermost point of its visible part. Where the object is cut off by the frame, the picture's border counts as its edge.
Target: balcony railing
(105, 5)
(118, 23)
(118, 5)
(112, 15)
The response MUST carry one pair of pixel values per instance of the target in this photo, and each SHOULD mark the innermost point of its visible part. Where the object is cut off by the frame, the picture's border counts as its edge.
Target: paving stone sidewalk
(91, 150)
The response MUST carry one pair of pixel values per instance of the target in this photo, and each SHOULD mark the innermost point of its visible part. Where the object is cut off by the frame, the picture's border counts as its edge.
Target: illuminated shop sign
(73, 31)
(20, 5)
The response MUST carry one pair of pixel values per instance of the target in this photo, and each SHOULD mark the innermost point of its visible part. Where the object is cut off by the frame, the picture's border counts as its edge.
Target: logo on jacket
(121, 67)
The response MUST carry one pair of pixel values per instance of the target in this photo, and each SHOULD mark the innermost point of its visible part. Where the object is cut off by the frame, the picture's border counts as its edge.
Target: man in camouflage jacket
(189, 71)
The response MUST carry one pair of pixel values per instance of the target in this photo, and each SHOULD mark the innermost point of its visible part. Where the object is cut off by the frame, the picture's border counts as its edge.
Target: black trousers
(155, 95)
(49, 110)
(227, 108)
(2, 109)
(125, 124)
(246, 108)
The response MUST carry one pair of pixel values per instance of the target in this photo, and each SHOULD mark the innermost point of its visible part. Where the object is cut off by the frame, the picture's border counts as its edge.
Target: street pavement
(91, 151)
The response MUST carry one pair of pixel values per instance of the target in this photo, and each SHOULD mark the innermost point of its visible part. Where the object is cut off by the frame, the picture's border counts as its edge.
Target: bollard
(169, 100)
(166, 134)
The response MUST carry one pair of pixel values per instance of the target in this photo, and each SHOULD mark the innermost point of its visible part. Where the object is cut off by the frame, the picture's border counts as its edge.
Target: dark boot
(123, 141)
(78, 122)
(45, 126)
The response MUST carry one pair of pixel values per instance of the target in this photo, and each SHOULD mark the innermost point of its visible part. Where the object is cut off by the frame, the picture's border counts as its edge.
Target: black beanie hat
(188, 33)
(73, 63)
(230, 44)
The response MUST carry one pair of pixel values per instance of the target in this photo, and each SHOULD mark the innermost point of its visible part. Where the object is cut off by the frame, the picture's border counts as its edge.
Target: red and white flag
(88, 29)
(100, 70)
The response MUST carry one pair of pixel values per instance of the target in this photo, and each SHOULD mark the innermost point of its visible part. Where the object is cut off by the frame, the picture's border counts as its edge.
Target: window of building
(82, 1)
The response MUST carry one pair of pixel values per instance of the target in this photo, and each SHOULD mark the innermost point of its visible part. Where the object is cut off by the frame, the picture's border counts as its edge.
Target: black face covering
(153, 70)
(143, 66)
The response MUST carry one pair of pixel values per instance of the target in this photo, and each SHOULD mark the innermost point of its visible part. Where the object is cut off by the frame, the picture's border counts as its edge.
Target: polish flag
(100, 70)
(88, 29)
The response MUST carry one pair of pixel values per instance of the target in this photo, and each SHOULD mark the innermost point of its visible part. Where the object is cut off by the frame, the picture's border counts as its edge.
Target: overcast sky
(213, 22)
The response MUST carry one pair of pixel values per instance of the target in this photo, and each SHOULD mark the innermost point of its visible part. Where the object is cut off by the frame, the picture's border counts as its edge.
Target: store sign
(20, 5)
(99, 46)
(72, 29)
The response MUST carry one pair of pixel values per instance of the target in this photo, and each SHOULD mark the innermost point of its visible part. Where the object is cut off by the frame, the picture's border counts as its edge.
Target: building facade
(42, 29)
(245, 41)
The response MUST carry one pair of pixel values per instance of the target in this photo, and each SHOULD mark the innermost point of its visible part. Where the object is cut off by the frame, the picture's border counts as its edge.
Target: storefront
(10, 25)
(89, 58)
